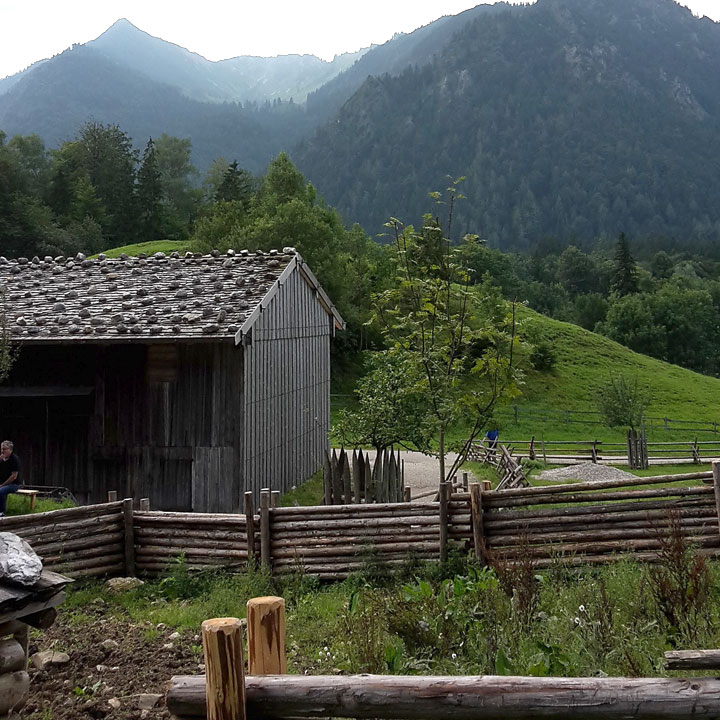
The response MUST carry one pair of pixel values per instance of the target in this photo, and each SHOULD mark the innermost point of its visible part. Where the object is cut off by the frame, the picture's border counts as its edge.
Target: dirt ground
(108, 679)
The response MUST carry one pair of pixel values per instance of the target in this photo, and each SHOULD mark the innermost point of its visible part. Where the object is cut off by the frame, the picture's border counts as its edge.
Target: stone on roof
(140, 299)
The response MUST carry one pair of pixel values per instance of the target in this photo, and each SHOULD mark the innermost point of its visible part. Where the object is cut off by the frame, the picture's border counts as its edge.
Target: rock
(168, 646)
(18, 561)
(122, 584)
(109, 644)
(114, 703)
(147, 701)
(46, 659)
(174, 636)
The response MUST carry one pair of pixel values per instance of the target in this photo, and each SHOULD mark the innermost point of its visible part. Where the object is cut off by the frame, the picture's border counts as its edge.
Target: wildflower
(577, 620)
(582, 608)
(454, 656)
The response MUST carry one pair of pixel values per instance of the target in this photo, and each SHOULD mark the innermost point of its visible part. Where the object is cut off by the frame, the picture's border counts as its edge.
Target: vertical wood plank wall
(287, 390)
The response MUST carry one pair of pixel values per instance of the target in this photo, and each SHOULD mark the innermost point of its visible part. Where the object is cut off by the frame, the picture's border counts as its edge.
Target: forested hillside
(570, 118)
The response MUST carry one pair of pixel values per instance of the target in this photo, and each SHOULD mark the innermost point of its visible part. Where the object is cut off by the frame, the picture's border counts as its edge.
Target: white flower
(582, 608)
(577, 620)
(454, 656)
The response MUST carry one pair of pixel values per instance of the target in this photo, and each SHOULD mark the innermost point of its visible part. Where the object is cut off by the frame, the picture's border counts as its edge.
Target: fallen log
(692, 660)
(460, 698)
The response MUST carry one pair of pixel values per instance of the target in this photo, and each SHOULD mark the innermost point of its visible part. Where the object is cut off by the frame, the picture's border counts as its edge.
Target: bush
(543, 357)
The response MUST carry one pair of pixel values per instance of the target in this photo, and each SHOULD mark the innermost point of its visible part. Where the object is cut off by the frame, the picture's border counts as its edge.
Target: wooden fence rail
(577, 522)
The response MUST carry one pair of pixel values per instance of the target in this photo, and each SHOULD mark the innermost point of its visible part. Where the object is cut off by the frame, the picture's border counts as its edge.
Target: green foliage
(625, 273)
(543, 356)
(623, 402)
(454, 340)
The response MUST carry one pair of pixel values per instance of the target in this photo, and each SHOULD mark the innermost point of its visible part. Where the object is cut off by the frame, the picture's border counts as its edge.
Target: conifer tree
(150, 196)
(625, 273)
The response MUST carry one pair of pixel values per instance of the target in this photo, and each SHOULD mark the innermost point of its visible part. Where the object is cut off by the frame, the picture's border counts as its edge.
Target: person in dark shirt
(492, 438)
(9, 473)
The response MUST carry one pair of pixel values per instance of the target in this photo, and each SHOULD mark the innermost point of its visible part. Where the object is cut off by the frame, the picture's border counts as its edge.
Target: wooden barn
(186, 379)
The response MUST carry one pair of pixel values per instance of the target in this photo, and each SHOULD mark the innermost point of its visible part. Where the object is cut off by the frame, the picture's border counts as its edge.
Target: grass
(20, 505)
(452, 619)
(149, 248)
(311, 492)
(585, 362)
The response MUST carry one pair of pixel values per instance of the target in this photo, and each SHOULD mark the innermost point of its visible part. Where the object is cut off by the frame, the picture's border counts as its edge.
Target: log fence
(360, 479)
(578, 523)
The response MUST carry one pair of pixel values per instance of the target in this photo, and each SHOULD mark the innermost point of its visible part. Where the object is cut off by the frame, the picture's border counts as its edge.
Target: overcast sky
(32, 30)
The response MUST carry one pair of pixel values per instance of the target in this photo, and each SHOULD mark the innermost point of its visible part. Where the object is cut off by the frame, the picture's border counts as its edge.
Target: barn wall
(287, 380)
(170, 429)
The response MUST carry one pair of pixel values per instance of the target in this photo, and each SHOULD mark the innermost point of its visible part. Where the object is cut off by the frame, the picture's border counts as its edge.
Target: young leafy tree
(455, 339)
(622, 403)
(388, 407)
(625, 272)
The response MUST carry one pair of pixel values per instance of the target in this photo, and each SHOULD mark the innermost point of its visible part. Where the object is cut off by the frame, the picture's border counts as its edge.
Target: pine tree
(149, 196)
(625, 272)
(236, 185)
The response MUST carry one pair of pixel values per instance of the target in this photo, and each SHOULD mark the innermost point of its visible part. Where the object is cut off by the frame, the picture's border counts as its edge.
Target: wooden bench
(32, 494)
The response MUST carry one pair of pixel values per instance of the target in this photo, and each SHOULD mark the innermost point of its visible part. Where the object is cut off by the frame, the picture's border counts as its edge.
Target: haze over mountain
(570, 118)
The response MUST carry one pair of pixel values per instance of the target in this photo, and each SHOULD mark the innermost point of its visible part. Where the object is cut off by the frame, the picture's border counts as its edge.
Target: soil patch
(139, 659)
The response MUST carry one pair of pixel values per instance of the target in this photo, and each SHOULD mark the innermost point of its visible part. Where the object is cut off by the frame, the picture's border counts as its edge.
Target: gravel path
(587, 472)
(422, 472)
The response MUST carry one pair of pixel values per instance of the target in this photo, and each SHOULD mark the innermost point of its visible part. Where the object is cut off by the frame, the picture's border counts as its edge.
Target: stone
(109, 644)
(122, 584)
(18, 561)
(174, 636)
(147, 701)
(114, 703)
(46, 659)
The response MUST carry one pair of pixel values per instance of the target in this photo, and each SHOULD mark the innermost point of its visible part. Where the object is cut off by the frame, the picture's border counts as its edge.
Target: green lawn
(149, 248)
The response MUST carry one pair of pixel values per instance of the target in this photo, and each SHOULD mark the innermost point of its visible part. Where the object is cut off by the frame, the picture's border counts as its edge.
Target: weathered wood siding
(287, 396)
(164, 423)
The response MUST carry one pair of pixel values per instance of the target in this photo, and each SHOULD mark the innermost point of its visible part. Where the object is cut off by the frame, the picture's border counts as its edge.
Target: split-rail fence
(577, 523)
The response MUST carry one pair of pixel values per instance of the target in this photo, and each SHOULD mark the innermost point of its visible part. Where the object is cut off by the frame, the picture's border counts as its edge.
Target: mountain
(239, 79)
(569, 118)
(62, 94)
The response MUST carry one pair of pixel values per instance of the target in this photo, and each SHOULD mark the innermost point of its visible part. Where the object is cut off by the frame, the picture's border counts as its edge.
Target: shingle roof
(137, 299)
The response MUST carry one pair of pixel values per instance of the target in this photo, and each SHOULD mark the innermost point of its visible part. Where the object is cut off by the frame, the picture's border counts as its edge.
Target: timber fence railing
(522, 413)
(575, 523)
(563, 451)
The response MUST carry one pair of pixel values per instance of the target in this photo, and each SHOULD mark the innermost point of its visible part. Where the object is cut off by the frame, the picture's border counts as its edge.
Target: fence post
(250, 526)
(407, 494)
(265, 528)
(129, 537)
(444, 517)
(515, 411)
(266, 636)
(224, 669)
(112, 496)
(327, 479)
(275, 498)
(716, 487)
(465, 482)
(144, 504)
(476, 513)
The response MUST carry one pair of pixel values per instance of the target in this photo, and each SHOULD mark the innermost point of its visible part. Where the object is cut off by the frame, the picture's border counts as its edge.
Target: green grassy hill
(149, 248)
(585, 362)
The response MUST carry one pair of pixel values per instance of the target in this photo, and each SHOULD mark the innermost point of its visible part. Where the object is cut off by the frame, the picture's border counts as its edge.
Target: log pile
(79, 542)
(20, 608)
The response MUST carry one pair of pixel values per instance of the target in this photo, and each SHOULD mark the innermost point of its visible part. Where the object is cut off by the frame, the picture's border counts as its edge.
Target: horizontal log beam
(53, 516)
(460, 698)
(692, 660)
(338, 511)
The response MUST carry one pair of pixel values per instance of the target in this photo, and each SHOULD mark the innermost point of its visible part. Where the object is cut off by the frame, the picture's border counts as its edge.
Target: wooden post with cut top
(716, 486)
(250, 527)
(266, 636)
(224, 669)
(265, 528)
(129, 537)
(476, 513)
(445, 490)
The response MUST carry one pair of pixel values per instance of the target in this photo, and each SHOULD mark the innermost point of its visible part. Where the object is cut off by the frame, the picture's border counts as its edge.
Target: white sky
(32, 30)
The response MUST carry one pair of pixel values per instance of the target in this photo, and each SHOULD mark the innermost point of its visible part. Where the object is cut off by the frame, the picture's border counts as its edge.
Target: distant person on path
(492, 438)
(9, 473)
